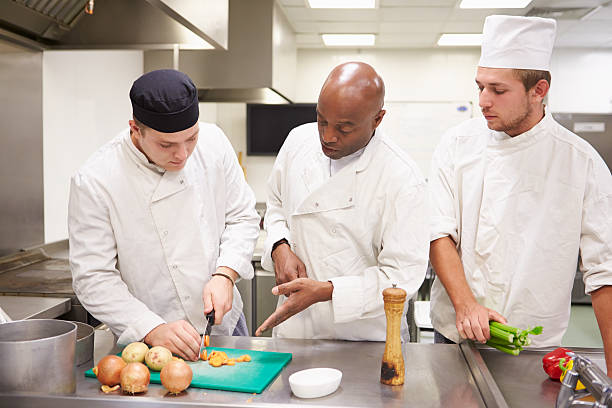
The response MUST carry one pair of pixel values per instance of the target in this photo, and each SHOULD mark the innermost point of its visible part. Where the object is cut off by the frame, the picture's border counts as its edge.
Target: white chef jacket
(521, 209)
(363, 229)
(145, 241)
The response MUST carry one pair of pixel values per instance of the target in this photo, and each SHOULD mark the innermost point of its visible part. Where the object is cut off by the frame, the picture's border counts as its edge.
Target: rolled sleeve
(347, 301)
(596, 233)
(443, 220)
(138, 331)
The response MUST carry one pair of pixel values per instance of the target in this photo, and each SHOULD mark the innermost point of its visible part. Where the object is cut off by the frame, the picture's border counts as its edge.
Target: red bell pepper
(552, 361)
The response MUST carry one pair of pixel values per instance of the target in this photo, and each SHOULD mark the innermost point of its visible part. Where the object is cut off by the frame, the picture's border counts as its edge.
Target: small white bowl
(315, 382)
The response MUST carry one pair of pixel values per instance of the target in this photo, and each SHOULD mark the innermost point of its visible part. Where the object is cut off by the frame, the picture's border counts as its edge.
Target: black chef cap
(165, 100)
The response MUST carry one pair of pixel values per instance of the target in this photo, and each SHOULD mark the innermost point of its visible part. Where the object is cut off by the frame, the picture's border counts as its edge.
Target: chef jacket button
(316, 204)
(174, 266)
(165, 233)
(181, 181)
(187, 297)
(350, 199)
(333, 230)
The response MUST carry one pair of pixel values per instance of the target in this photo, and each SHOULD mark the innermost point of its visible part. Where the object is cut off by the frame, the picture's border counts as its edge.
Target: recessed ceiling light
(345, 40)
(342, 3)
(466, 40)
(492, 4)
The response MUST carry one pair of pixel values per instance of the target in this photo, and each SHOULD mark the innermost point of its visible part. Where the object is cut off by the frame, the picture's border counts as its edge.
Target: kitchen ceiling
(419, 23)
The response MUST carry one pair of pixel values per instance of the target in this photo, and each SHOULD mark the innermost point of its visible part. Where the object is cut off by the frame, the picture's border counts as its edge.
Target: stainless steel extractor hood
(116, 24)
(259, 65)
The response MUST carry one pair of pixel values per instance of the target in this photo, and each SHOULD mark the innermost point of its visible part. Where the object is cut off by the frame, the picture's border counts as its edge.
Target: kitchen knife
(210, 318)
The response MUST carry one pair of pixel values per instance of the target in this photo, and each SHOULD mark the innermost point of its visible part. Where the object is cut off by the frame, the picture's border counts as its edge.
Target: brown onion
(135, 378)
(108, 370)
(176, 376)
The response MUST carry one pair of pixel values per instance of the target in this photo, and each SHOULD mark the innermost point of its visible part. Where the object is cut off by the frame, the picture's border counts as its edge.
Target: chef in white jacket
(346, 217)
(516, 198)
(162, 223)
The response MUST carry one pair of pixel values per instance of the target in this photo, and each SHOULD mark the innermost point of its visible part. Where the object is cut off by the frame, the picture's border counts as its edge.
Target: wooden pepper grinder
(392, 369)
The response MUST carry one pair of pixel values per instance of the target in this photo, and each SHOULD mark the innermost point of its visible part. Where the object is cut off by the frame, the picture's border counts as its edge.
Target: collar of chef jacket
(338, 191)
(170, 182)
(336, 165)
(140, 156)
(502, 141)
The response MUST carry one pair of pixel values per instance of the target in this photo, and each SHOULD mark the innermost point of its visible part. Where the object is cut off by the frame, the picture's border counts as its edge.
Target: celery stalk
(505, 349)
(504, 327)
(501, 334)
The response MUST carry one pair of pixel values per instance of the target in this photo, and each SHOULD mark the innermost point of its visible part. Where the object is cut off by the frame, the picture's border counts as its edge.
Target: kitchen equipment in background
(265, 302)
(595, 128)
(84, 349)
(37, 272)
(38, 356)
(392, 368)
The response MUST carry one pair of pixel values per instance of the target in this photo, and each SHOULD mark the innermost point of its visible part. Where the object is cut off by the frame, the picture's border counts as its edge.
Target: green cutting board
(252, 377)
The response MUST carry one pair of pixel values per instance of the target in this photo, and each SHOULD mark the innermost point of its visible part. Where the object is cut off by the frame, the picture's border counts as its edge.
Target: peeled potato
(135, 352)
(157, 357)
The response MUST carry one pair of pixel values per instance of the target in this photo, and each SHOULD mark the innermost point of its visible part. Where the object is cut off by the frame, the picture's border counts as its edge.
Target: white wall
(85, 103)
(581, 81)
(231, 117)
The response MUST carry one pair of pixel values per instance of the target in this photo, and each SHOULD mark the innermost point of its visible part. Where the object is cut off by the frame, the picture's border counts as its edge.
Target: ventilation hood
(259, 65)
(115, 24)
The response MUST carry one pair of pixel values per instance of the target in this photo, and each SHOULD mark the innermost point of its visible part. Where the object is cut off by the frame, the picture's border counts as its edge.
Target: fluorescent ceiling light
(345, 40)
(454, 40)
(491, 4)
(342, 3)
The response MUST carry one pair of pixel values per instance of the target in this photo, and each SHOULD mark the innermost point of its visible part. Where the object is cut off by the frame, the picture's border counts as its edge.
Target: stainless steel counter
(34, 307)
(436, 376)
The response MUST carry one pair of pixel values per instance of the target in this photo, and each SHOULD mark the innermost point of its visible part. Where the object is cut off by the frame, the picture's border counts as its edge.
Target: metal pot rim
(26, 321)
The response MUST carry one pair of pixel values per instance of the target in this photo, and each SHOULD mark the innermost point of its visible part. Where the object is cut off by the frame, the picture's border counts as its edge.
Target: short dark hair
(530, 77)
(140, 125)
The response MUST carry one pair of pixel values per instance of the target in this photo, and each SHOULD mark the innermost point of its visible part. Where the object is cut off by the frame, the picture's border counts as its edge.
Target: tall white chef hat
(517, 42)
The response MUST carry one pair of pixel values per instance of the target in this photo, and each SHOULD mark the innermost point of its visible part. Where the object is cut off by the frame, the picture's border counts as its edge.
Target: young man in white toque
(516, 199)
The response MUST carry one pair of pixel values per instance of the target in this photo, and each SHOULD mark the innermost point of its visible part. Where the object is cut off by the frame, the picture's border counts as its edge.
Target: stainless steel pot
(38, 356)
(84, 344)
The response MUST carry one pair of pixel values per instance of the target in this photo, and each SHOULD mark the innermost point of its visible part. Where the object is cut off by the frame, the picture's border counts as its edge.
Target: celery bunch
(510, 339)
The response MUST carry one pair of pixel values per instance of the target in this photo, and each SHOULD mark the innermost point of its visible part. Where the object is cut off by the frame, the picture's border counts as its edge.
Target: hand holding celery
(510, 339)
